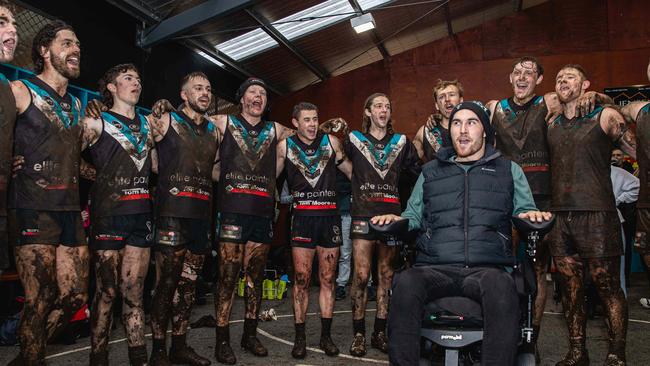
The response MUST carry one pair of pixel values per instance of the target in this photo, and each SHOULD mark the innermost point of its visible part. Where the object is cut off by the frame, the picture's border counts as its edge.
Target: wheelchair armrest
(395, 228)
(525, 226)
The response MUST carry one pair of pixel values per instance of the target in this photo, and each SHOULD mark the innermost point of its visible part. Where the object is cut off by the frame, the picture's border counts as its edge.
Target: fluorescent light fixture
(369, 4)
(209, 58)
(363, 23)
(247, 44)
(324, 14)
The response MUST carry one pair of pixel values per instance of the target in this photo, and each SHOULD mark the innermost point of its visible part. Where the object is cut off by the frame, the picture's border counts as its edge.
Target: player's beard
(60, 66)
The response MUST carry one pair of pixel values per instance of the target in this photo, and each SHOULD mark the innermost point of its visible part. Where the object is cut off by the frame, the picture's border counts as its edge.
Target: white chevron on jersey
(380, 159)
(311, 167)
(138, 158)
(253, 147)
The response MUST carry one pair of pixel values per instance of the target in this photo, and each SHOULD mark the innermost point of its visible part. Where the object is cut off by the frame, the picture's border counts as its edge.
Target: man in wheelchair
(461, 206)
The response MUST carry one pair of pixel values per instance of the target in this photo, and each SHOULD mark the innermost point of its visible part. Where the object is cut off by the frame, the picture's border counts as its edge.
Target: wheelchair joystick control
(446, 317)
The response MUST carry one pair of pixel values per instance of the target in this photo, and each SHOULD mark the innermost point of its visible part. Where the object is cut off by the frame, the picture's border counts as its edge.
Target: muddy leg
(230, 259)
(254, 264)
(302, 264)
(362, 251)
(107, 264)
(573, 301)
(72, 266)
(169, 263)
(36, 265)
(328, 259)
(185, 293)
(386, 256)
(327, 265)
(605, 275)
(135, 263)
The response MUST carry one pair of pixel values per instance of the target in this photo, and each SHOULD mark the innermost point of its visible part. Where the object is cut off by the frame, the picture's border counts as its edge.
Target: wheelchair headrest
(525, 226)
(395, 228)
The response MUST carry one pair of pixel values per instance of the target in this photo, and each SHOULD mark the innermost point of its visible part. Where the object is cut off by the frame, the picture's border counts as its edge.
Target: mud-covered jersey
(377, 165)
(248, 162)
(48, 135)
(122, 157)
(311, 175)
(186, 157)
(521, 137)
(433, 139)
(580, 157)
(7, 123)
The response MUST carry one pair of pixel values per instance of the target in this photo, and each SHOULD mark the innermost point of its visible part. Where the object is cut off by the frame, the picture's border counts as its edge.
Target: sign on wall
(626, 94)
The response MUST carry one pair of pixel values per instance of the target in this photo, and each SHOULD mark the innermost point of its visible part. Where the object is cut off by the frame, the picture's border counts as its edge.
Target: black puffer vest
(466, 214)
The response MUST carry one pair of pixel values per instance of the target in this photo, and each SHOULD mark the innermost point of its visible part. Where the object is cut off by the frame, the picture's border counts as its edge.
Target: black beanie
(482, 113)
(246, 84)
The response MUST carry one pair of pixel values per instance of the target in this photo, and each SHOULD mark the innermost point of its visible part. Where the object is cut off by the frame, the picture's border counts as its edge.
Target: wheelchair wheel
(526, 359)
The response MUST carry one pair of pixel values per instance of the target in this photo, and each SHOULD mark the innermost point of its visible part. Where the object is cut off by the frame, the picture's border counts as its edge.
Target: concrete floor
(278, 336)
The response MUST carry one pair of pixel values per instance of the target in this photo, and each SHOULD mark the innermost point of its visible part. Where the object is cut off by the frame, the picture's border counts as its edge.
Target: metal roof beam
(375, 37)
(136, 10)
(450, 29)
(148, 16)
(190, 18)
(278, 37)
(230, 63)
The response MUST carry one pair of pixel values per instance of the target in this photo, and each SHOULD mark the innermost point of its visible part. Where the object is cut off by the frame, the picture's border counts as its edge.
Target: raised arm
(159, 125)
(162, 106)
(283, 132)
(335, 125)
(631, 110)
(588, 101)
(553, 105)
(614, 125)
(491, 106)
(94, 108)
(220, 121)
(91, 130)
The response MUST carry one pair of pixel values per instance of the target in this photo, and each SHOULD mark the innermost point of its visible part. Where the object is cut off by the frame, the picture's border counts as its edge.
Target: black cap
(483, 115)
(248, 82)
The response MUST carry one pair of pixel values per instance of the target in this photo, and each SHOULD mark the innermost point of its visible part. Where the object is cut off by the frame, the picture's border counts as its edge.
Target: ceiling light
(294, 26)
(363, 23)
(209, 58)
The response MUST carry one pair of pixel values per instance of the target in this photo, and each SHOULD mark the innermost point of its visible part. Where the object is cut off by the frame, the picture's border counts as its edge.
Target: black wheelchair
(455, 324)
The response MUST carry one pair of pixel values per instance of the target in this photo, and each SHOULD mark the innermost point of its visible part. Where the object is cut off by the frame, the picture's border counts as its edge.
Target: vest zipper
(466, 218)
